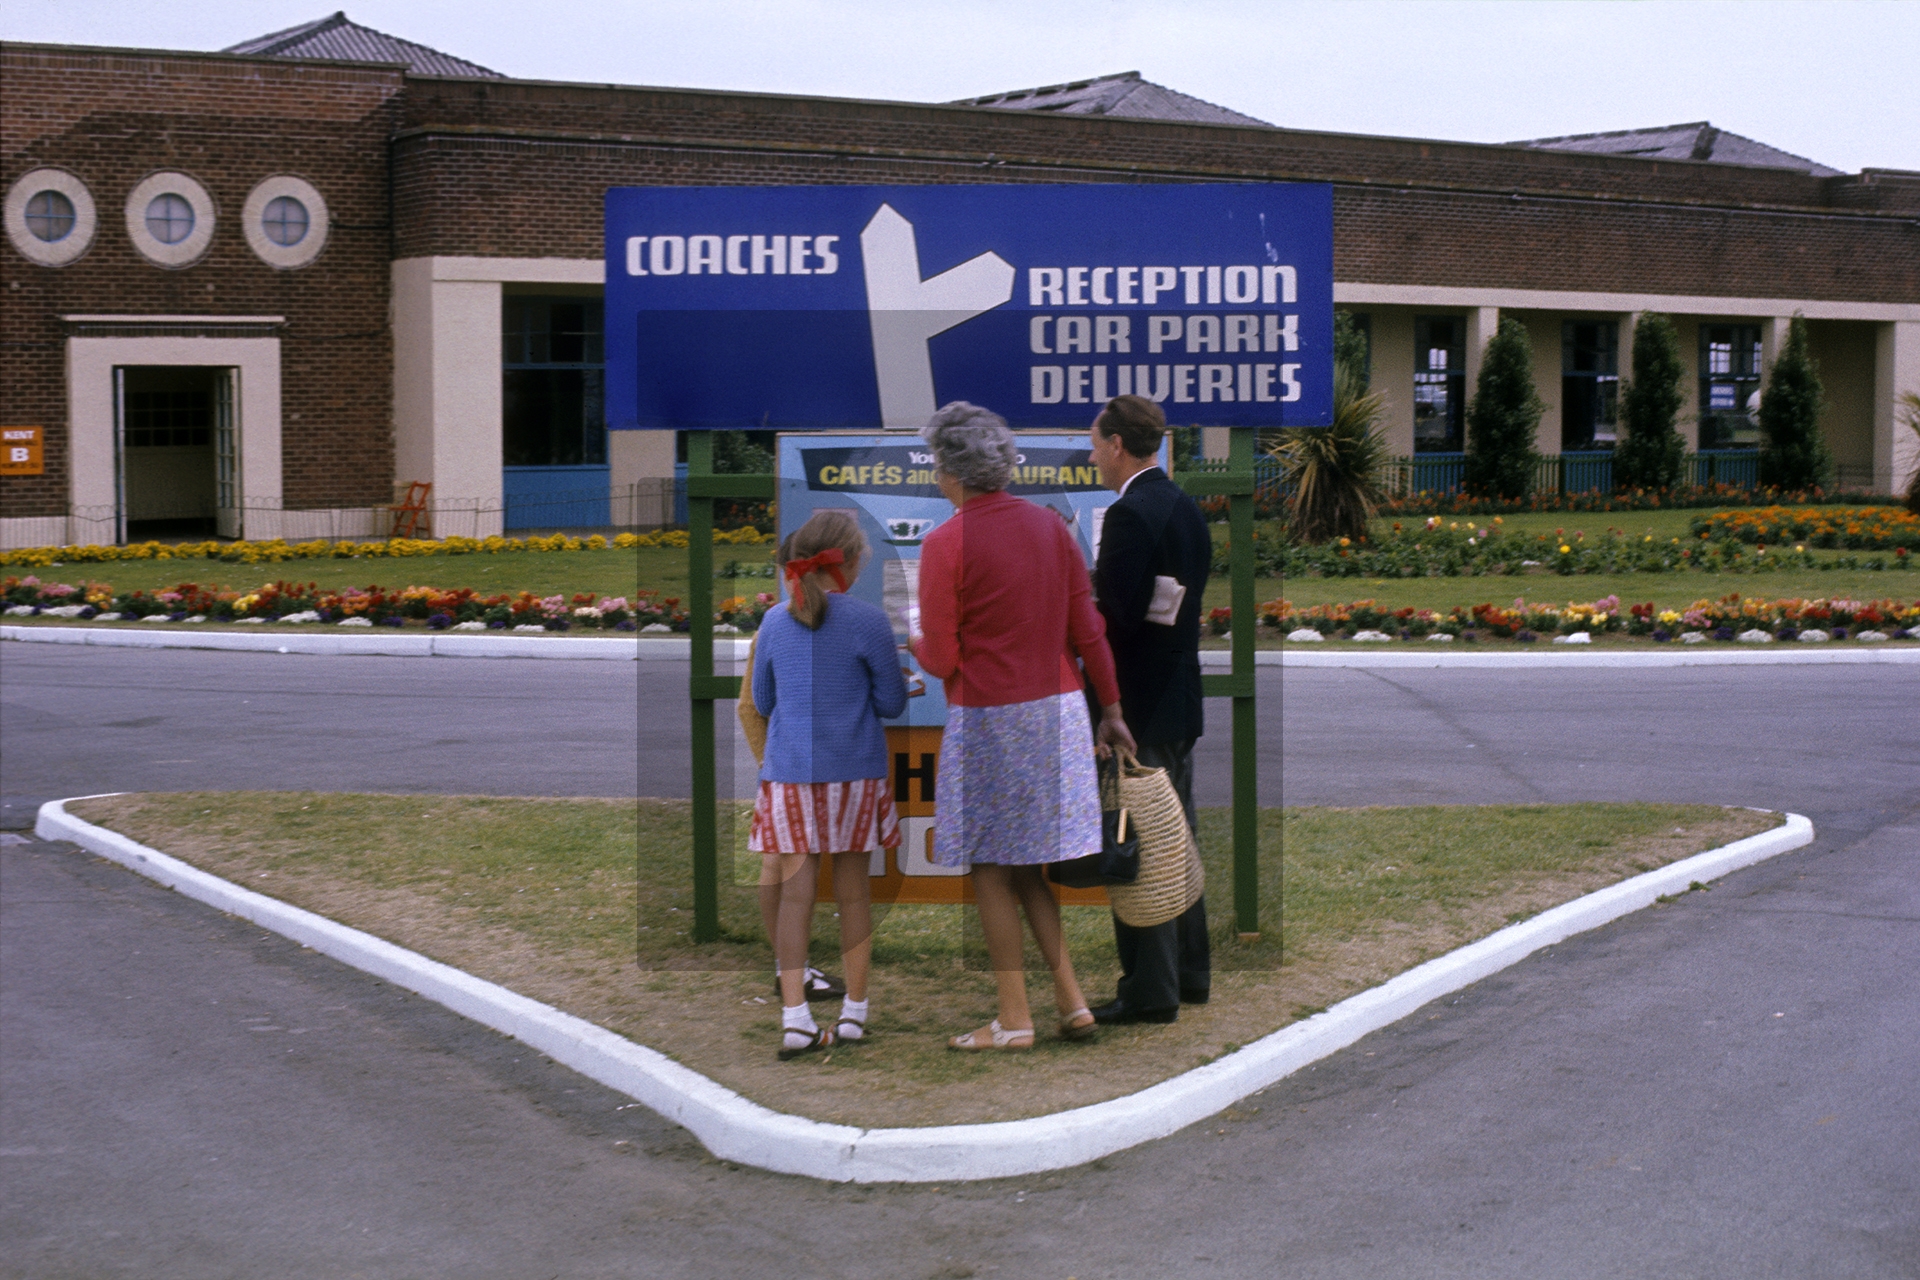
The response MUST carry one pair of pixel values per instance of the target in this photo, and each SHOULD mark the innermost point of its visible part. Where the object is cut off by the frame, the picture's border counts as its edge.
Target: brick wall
(113, 118)
(1405, 211)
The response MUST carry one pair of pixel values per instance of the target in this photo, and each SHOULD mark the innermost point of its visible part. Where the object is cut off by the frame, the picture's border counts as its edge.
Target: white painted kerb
(734, 1128)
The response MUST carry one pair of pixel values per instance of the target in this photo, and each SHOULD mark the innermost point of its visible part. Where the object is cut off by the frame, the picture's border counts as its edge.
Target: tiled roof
(1125, 95)
(1696, 141)
(338, 37)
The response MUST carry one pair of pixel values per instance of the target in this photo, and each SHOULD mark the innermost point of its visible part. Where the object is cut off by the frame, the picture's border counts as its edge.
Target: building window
(169, 419)
(169, 218)
(1439, 384)
(553, 363)
(50, 216)
(1729, 386)
(285, 220)
(1589, 384)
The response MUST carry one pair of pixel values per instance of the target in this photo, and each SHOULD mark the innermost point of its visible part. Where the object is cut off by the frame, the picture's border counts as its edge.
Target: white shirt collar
(1128, 482)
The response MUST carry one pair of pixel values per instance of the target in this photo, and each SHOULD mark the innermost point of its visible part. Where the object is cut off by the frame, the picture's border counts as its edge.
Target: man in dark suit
(1154, 546)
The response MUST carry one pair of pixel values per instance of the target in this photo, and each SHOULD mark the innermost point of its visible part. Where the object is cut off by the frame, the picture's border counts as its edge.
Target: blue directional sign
(865, 307)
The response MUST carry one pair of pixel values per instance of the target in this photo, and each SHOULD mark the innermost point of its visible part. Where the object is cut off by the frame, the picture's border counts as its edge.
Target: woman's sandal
(1001, 1038)
(819, 1038)
(1071, 1028)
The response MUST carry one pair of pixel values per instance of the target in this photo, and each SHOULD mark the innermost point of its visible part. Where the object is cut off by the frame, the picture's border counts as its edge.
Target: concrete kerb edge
(737, 1129)
(680, 649)
(373, 642)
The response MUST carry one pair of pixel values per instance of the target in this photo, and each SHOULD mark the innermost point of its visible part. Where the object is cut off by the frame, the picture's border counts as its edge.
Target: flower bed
(1438, 548)
(278, 550)
(1727, 618)
(1855, 528)
(461, 609)
(1678, 498)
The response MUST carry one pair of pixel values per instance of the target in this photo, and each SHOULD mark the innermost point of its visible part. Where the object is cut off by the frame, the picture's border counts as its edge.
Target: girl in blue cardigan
(825, 674)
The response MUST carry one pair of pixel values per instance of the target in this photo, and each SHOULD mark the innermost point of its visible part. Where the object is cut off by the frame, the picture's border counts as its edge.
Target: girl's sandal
(819, 1038)
(999, 1038)
(859, 1030)
(1073, 1028)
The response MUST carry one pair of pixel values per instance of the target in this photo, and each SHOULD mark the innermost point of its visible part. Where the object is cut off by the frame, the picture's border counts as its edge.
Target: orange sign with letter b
(20, 451)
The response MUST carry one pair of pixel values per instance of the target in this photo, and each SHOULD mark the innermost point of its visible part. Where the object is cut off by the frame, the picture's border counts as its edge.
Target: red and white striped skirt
(823, 817)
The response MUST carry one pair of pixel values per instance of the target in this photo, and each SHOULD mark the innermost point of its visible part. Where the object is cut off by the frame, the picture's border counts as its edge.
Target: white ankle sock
(797, 1021)
(856, 1011)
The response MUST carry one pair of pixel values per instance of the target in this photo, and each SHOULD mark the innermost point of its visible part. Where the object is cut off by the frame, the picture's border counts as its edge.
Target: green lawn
(587, 904)
(1667, 590)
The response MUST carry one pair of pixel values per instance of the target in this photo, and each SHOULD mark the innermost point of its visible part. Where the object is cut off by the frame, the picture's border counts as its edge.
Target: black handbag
(1118, 861)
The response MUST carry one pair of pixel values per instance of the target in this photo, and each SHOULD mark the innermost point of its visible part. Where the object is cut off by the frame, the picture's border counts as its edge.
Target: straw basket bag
(1170, 877)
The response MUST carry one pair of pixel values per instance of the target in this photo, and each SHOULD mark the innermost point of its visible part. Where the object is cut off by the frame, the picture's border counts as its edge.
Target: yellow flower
(1564, 548)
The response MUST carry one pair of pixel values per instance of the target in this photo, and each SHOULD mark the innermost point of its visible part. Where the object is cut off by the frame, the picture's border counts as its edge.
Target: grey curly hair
(973, 445)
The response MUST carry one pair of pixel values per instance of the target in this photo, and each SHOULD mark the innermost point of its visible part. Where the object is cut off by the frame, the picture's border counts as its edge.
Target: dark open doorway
(171, 433)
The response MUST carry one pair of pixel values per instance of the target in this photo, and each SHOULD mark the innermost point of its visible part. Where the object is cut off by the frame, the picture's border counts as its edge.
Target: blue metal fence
(1435, 473)
(1586, 471)
(1581, 471)
(1739, 468)
(1267, 486)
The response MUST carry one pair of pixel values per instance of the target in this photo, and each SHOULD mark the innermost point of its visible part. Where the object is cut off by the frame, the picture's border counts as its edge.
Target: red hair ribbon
(831, 559)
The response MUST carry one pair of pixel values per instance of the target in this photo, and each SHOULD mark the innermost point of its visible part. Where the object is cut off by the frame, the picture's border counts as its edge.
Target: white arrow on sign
(905, 311)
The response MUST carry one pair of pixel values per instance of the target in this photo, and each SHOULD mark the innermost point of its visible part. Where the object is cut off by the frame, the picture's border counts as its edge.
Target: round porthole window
(50, 217)
(170, 219)
(286, 221)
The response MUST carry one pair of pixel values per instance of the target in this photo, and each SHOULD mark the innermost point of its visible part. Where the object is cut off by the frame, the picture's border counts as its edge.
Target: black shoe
(1117, 1013)
(1200, 996)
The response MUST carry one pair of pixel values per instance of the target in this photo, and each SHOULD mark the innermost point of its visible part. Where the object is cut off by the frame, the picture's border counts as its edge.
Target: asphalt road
(188, 720)
(1725, 1086)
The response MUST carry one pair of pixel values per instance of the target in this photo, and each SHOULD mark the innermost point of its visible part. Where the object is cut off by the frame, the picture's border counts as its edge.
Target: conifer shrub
(1652, 453)
(1503, 416)
(1793, 455)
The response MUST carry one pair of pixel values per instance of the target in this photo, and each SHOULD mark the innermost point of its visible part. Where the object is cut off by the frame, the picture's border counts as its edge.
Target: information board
(887, 484)
(867, 306)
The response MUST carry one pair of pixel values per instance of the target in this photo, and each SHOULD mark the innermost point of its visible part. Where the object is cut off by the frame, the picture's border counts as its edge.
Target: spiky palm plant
(1333, 474)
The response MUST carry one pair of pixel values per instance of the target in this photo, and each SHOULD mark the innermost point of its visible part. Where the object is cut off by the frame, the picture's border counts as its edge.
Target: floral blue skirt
(1017, 784)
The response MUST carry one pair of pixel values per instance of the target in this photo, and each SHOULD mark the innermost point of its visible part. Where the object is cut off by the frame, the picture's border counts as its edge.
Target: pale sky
(1832, 80)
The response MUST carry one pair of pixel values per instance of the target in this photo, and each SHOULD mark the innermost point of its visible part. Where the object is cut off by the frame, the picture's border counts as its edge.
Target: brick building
(266, 286)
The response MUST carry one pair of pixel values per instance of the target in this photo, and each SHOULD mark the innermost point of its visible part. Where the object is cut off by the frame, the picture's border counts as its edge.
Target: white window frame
(50, 253)
(285, 257)
(151, 247)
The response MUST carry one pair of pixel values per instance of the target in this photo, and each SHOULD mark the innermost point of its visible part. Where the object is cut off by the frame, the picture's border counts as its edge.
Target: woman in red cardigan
(1005, 608)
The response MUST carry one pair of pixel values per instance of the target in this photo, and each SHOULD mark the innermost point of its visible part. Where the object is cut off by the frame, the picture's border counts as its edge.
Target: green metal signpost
(1233, 479)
